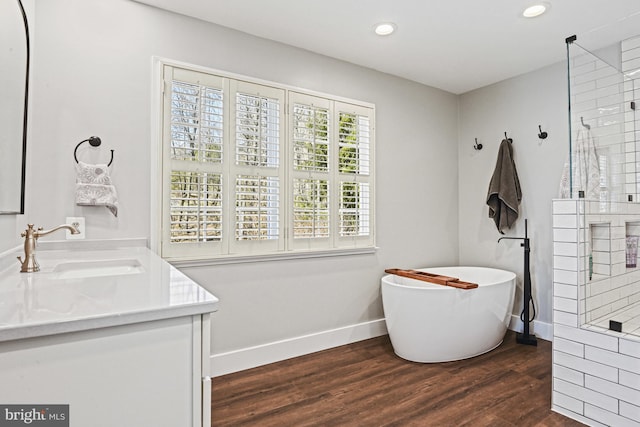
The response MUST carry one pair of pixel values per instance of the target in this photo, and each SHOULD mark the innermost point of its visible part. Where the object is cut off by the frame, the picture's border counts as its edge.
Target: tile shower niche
(612, 282)
(599, 251)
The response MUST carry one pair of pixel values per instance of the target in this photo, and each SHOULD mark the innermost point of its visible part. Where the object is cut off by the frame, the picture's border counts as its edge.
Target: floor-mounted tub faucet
(525, 337)
(30, 265)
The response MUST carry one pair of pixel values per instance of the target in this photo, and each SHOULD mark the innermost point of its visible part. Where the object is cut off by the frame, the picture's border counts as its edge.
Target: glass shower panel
(633, 131)
(602, 163)
(630, 65)
(605, 175)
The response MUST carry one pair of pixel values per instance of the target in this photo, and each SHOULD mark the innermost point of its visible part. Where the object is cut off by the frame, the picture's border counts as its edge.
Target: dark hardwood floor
(366, 384)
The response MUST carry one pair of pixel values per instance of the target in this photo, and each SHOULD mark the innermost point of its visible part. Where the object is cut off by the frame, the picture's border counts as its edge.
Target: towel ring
(94, 141)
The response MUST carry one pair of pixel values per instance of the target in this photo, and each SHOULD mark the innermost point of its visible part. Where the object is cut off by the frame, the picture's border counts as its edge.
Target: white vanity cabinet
(126, 350)
(145, 374)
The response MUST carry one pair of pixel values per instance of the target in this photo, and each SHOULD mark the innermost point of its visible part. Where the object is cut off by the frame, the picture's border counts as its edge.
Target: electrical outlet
(78, 222)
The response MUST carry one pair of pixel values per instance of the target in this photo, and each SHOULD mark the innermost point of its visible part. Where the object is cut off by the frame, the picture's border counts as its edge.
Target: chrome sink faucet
(30, 265)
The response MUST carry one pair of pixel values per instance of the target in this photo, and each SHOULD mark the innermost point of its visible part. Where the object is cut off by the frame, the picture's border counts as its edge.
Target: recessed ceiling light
(535, 10)
(385, 28)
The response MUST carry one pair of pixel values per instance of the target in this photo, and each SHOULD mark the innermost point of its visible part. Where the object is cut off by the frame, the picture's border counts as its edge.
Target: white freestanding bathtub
(434, 323)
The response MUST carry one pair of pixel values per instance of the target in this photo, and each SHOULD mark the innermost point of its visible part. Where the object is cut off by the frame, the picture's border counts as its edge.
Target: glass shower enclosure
(603, 171)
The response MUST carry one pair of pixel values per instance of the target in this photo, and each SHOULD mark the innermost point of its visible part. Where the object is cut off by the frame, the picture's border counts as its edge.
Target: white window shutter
(354, 184)
(193, 134)
(258, 127)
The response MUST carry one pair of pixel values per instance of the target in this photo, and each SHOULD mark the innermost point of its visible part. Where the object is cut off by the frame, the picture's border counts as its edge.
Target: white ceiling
(455, 45)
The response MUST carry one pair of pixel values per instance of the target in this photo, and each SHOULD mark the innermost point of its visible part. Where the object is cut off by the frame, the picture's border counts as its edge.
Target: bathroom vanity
(110, 329)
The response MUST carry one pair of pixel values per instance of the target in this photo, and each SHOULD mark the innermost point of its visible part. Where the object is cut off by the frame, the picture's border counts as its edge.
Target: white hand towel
(94, 187)
(586, 169)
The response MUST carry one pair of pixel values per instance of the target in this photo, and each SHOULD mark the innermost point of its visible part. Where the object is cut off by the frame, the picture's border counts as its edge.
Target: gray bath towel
(504, 194)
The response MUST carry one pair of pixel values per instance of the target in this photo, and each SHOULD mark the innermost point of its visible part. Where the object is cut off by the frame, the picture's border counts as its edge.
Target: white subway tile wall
(596, 372)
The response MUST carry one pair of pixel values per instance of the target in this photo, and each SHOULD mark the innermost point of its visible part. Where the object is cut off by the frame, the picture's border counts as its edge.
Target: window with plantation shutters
(252, 169)
(193, 153)
(354, 168)
(310, 122)
(257, 125)
(355, 180)
(257, 144)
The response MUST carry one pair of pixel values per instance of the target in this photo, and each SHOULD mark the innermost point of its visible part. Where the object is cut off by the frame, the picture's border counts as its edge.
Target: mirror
(14, 88)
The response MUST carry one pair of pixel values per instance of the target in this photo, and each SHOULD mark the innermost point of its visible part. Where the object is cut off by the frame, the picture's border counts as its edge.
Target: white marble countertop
(68, 294)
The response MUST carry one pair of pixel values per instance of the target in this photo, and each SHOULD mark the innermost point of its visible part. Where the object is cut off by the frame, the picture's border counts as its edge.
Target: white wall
(92, 73)
(516, 106)
(9, 231)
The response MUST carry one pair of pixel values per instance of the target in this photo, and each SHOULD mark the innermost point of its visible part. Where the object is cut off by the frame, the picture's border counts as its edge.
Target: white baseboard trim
(251, 357)
(540, 329)
(247, 358)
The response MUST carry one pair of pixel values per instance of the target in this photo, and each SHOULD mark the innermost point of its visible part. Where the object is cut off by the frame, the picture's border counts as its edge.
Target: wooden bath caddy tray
(432, 278)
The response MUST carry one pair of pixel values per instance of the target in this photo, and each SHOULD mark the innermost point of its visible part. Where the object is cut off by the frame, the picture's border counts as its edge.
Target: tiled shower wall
(596, 373)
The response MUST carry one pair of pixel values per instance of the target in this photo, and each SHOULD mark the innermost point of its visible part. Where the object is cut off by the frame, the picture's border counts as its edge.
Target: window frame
(229, 250)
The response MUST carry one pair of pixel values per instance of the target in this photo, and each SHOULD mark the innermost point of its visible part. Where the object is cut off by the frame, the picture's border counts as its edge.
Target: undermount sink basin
(97, 268)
